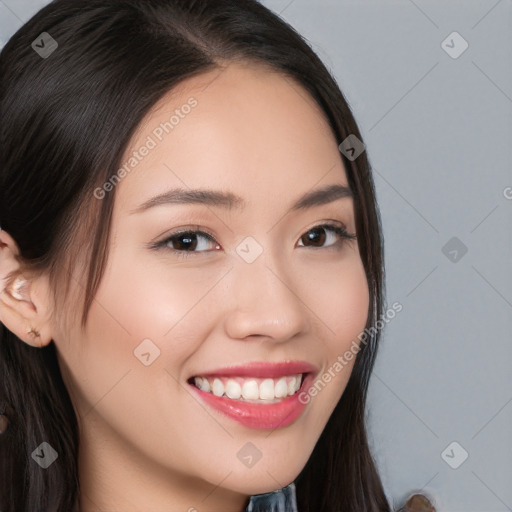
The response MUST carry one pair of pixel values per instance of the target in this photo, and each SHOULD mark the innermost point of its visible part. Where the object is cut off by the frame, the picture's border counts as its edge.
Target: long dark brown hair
(66, 121)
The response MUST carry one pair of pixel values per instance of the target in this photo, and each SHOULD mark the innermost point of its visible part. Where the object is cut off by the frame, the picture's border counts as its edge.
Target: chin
(262, 478)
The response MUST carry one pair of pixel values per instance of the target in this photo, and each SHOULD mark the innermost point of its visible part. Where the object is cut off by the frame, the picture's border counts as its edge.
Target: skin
(147, 443)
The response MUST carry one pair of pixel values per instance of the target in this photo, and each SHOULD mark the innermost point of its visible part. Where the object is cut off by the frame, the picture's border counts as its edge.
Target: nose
(265, 301)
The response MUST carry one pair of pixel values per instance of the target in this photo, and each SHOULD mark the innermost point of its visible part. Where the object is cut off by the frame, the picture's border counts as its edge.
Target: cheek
(338, 297)
(348, 314)
(136, 303)
(340, 303)
(158, 301)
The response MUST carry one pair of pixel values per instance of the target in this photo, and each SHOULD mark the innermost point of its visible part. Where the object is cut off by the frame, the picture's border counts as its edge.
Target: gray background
(438, 132)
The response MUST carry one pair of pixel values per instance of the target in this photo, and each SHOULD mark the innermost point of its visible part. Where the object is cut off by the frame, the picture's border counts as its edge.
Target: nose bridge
(265, 300)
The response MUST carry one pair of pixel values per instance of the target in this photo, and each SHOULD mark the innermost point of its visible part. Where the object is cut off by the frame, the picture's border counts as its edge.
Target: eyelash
(339, 230)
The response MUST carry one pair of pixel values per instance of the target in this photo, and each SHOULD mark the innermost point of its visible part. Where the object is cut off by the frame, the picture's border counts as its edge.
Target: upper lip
(261, 369)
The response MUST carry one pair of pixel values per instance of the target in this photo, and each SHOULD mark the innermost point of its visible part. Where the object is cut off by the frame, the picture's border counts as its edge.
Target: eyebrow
(230, 201)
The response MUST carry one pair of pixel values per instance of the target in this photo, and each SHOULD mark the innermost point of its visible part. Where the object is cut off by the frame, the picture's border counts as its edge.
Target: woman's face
(270, 292)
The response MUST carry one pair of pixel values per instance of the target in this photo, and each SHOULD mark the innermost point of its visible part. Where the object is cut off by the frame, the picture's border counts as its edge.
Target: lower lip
(259, 416)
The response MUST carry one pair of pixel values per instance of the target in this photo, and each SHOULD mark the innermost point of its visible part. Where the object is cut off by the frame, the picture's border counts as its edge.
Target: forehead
(243, 128)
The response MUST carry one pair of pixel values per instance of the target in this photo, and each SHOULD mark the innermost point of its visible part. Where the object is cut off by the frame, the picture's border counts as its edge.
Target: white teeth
(281, 388)
(267, 389)
(205, 385)
(233, 389)
(218, 387)
(291, 385)
(240, 388)
(250, 390)
(202, 384)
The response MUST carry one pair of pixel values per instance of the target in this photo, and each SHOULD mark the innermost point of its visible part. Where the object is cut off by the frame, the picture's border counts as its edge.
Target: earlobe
(21, 311)
(20, 327)
(22, 317)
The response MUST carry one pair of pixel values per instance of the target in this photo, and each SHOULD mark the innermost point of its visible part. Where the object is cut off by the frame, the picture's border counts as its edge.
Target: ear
(24, 299)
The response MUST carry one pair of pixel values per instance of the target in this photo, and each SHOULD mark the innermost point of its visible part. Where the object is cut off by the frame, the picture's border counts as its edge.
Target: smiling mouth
(250, 389)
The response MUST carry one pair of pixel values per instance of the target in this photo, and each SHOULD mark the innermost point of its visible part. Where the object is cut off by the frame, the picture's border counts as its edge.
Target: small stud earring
(33, 332)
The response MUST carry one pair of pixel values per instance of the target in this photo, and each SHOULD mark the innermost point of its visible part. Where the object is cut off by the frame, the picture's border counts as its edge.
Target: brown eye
(319, 235)
(187, 242)
(316, 236)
